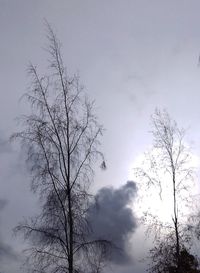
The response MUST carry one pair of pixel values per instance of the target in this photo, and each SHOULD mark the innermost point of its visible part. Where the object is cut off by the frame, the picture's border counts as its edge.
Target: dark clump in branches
(164, 259)
(61, 138)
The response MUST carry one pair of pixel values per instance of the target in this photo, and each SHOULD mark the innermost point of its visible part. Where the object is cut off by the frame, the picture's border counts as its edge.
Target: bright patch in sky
(158, 201)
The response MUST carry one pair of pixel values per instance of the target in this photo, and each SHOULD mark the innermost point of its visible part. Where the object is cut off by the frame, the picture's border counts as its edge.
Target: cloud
(3, 203)
(6, 251)
(112, 219)
(5, 146)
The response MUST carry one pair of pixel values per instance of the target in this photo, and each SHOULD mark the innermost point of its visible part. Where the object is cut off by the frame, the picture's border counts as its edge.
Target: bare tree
(61, 138)
(168, 168)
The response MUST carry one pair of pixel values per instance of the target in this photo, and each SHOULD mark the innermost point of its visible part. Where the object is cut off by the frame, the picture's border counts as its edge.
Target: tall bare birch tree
(169, 167)
(61, 138)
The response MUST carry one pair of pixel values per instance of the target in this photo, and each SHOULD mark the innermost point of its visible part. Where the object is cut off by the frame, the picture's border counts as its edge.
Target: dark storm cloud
(6, 251)
(3, 203)
(5, 146)
(113, 220)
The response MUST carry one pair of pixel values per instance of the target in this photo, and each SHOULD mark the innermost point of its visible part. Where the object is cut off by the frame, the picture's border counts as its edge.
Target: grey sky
(132, 55)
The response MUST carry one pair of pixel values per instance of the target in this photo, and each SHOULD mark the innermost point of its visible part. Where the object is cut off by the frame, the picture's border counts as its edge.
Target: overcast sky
(131, 55)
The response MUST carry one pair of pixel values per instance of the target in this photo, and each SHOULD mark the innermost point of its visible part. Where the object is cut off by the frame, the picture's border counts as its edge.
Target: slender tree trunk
(176, 224)
(71, 233)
